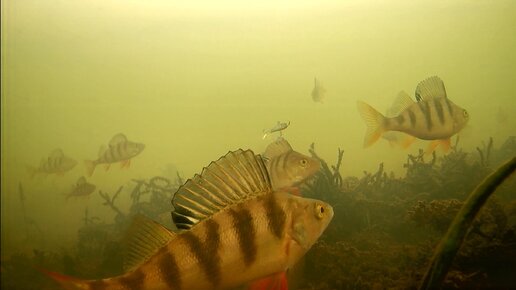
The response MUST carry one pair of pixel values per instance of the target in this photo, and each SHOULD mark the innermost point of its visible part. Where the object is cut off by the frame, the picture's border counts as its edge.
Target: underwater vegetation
(383, 235)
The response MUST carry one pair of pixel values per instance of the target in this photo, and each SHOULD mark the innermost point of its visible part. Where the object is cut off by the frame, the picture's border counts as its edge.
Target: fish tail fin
(66, 282)
(374, 121)
(274, 282)
(90, 166)
(32, 171)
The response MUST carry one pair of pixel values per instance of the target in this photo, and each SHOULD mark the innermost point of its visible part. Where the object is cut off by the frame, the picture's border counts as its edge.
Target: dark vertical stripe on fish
(207, 253)
(246, 233)
(169, 270)
(98, 285)
(425, 109)
(440, 111)
(276, 215)
(448, 105)
(400, 119)
(116, 152)
(133, 280)
(412, 117)
(109, 155)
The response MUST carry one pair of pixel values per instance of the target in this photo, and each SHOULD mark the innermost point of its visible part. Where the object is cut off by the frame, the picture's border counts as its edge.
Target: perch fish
(240, 231)
(280, 126)
(81, 188)
(56, 163)
(318, 92)
(286, 167)
(433, 117)
(120, 150)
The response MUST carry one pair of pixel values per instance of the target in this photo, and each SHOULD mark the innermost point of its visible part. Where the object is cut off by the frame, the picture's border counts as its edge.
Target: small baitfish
(433, 117)
(286, 167)
(81, 188)
(119, 150)
(56, 163)
(239, 230)
(280, 126)
(318, 92)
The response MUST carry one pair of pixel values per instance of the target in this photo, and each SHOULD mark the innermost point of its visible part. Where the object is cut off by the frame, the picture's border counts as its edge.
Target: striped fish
(240, 230)
(433, 117)
(119, 150)
(81, 188)
(56, 163)
(286, 167)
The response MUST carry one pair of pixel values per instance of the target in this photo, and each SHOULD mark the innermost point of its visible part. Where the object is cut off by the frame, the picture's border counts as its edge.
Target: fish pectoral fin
(144, 238)
(276, 281)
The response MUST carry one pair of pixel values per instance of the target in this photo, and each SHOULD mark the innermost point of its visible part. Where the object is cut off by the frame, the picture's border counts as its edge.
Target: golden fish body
(287, 167)
(119, 150)
(433, 117)
(240, 231)
(82, 188)
(56, 163)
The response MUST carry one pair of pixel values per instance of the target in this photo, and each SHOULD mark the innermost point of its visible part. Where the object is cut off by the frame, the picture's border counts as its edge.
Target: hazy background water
(193, 80)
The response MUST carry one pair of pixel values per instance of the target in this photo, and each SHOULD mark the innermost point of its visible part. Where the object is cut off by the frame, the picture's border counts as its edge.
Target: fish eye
(303, 162)
(465, 113)
(319, 211)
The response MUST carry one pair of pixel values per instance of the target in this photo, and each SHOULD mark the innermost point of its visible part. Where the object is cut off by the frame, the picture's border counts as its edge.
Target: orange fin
(407, 141)
(276, 281)
(446, 144)
(66, 282)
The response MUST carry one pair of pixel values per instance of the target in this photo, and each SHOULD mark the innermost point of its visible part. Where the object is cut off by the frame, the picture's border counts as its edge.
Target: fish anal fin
(406, 141)
(374, 122)
(276, 148)
(118, 138)
(143, 239)
(432, 87)
(276, 281)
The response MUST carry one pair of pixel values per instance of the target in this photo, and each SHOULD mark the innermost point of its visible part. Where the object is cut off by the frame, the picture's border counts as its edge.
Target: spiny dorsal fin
(144, 238)
(432, 87)
(56, 153)
(277, 148)
(233, 178)
(81, 180)
(118, 138)
(400, 104)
